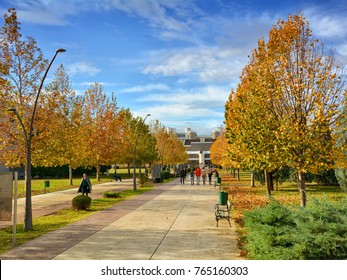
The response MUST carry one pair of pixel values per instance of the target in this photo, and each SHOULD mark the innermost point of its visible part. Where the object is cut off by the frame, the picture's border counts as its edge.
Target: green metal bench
(223, 212)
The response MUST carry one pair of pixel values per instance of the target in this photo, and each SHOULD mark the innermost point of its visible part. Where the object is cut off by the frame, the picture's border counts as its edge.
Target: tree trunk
(271, 181)
(129, 169)
(268, 183)
(234, 172)
(302, 188)
(70, 176)
(98, 173)
(252, 179)
(238, 174)
(28, 219)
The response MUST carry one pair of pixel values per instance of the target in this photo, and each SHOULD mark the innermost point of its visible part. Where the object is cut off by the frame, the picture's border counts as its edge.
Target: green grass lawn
(55, 185)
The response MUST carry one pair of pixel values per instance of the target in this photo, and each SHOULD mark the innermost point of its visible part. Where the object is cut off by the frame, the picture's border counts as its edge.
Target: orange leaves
(285, 106)
(169, 148)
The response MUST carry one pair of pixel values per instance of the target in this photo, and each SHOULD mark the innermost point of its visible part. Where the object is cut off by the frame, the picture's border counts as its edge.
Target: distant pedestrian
(183, 175)
(198, 175)
(85, 186)
(203, 175)
(209, 174)
(192, 177)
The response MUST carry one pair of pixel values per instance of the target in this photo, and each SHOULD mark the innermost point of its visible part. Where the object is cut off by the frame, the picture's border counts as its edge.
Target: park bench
(223, 212)
(117, 178)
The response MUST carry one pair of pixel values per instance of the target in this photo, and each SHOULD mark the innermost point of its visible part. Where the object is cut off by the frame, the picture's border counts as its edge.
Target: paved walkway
(171, 222)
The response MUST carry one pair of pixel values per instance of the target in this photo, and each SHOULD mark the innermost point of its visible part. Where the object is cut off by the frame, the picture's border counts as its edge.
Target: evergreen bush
(111, 195)
(166, 174)
(143, 179)
(81, 202)
(317, 232)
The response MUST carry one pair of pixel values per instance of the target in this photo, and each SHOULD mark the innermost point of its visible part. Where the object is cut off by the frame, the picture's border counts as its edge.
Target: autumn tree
(295, 86)
(21, 65)
(170, 149)
(99, 128)
(218, 150)
(307, 96)
(139, 143)
(61, 114)
(250, 127)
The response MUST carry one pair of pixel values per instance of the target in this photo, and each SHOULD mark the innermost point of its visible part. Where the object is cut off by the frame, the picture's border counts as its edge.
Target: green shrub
(317, 232)
(81, 202)
(143, 179)
(111, 194)
(166, 174)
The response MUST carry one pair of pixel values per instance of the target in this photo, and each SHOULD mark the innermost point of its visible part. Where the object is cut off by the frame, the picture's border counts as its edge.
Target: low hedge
(317, 232)
(111, 195)
(81, 202)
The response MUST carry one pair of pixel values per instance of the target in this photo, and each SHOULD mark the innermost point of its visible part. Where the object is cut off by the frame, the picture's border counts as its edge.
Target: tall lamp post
(28, 223)
(134, 152)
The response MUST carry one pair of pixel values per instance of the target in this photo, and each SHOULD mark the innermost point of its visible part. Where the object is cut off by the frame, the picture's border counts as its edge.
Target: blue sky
(175, 59)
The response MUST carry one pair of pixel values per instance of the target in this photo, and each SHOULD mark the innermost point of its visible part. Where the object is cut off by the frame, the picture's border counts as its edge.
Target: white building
(198, 148)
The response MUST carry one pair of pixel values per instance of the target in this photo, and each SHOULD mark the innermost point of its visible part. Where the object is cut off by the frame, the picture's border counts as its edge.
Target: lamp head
(60, 50)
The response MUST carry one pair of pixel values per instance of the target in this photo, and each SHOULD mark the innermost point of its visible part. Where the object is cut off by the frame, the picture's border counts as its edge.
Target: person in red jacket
(198, 175)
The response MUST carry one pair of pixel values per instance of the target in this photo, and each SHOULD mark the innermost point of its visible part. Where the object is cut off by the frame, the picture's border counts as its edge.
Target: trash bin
(46, 184)
(223, 198)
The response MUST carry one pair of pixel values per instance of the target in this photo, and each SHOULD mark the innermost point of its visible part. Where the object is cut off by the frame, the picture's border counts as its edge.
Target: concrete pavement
(171, 222)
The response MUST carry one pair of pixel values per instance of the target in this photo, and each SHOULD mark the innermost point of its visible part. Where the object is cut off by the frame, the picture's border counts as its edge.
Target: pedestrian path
(171, 222)
(45, 204)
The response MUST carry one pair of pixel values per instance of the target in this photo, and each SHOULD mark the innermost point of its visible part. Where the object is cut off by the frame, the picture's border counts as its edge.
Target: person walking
(203, 175)
(183, 175)
(198, 175)
(209, 174)
(85, 186)
(192, 176)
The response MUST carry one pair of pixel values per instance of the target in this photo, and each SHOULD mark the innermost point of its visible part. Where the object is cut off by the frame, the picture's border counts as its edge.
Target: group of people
(197, 173)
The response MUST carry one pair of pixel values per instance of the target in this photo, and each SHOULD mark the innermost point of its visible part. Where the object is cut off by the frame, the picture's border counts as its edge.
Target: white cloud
(201, 108)
(201, 120)
(342, 49)
(146, 88)
(205, 64)
(326, 24)
(196, 99)
(84, 68)
(51, 12)
(155, 12)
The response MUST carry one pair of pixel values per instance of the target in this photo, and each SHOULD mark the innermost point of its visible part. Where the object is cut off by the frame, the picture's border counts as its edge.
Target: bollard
(46, 186)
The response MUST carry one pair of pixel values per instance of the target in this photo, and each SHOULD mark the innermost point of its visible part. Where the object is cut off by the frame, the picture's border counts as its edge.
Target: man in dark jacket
(183, 175)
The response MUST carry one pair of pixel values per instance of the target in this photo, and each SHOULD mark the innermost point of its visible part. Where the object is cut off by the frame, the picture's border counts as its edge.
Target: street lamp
(28, 223)
(134, 152)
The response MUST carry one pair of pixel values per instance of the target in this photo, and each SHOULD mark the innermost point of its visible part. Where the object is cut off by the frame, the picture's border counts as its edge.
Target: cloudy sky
(175, 59)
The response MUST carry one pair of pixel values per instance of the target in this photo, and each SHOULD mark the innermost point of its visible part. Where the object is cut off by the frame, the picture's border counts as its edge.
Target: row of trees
(70, 129)
(288, 107)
